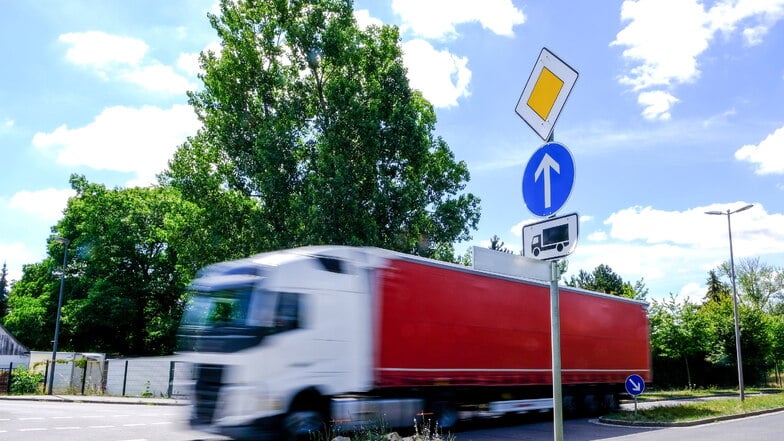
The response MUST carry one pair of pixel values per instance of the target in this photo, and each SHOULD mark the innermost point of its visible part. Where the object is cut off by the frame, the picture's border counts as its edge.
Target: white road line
(101, 427)
(31, 418)
(33, 429)
(134, 425)
(62, 418)
(160, 423)
(68, 428)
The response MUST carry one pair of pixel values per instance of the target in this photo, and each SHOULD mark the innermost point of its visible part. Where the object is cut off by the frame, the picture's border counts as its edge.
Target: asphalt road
(72, 421)
(64, 421)
(769, 427)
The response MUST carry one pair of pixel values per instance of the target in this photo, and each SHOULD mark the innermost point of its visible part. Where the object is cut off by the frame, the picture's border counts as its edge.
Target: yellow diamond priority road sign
(545, 93)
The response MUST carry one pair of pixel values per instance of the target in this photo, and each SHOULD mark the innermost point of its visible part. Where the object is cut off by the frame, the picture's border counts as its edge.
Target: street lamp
(65, 242)
(728, 213)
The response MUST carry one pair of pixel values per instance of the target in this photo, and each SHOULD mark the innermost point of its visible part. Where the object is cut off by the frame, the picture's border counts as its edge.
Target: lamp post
(65, 243)
(729, 213)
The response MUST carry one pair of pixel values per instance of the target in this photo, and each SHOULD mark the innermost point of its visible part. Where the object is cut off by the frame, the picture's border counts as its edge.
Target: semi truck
(285, 342)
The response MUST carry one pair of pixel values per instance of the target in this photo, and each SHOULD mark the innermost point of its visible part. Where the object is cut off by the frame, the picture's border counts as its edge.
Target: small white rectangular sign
(508, 264)
(551, 238)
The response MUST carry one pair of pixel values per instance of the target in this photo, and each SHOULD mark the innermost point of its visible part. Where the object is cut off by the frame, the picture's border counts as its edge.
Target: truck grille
(208, 383)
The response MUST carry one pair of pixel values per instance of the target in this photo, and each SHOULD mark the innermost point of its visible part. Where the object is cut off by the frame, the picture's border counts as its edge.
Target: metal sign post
(555, 333)
(547, 183)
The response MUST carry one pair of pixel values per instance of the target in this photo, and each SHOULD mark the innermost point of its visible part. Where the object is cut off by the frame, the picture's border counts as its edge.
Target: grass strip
(697, 410)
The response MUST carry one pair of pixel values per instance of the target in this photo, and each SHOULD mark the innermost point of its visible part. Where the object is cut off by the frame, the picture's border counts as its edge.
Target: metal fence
(5, 378)
(139, 377)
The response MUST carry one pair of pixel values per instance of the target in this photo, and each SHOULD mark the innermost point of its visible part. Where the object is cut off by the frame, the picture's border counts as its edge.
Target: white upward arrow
(635, 386)
(544, 168)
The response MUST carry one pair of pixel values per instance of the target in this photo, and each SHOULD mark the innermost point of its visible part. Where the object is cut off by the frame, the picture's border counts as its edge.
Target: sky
(678, 109)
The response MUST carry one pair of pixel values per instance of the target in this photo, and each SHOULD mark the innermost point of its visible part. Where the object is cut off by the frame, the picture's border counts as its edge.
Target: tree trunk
(688, 373)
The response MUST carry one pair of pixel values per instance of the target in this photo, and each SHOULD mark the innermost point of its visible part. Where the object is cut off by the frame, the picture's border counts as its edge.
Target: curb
(709, 420)
(96, 399)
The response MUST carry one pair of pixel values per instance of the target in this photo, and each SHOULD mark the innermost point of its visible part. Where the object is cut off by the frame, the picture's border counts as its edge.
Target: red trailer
(442, 325)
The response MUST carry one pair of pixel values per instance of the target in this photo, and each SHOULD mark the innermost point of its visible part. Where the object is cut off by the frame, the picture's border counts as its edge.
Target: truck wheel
(609, 402)
(445, 414)
(303, 425)
(570, 407)
(536, 252)
(590, 404)
(559, 247)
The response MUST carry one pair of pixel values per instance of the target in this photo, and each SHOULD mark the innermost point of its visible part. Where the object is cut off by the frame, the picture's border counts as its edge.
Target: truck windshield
(235, 318)
(227, 307)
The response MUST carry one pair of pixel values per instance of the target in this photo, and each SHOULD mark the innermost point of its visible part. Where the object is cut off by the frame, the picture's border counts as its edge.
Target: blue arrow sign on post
(548, 179)
(635, 385)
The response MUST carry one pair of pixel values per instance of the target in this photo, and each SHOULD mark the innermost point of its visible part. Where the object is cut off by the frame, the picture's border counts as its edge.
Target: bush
(23, 381)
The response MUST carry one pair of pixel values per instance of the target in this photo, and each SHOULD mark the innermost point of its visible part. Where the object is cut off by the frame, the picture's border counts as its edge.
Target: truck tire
(536, 252)
(445, 414)
(303, 425)
(307, 416)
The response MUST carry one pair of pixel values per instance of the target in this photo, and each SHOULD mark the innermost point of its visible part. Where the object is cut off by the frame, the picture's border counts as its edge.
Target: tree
(755, 340)
(313, 120)
(3, 291)
(717, 290)
(32, 305)
(678, 332)
(497, 244)
(604, 279)
(759, 285)
(128, 264)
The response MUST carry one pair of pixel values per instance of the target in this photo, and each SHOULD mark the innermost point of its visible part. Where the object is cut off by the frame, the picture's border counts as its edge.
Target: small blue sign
(635, 385)
(548, 179)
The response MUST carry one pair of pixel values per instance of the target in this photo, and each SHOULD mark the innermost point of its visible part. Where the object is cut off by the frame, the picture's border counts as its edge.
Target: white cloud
(99, 49)
(676, 249)
(441, 76)
(364, 19)
(693, 292)
(657, 104)
(124, 139)
(436, 19)
(727, 16)
(767, 155)
(6, 125)
(15, 255)
(46, 205)
(189, 63)
(664, 38)
(124, 58)
(598, 236)
(159, 78)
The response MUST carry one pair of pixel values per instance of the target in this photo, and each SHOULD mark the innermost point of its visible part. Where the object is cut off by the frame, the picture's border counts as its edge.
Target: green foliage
(312, 133)
(717, 290)
(23, 381)
(129, 261)
(3, 291)
(497, 244)
(604, 279)
(678, 331)
(692, 411)
(33, 304)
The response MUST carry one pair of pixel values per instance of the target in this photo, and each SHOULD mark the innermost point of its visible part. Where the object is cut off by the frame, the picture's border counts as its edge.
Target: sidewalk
(106, 399)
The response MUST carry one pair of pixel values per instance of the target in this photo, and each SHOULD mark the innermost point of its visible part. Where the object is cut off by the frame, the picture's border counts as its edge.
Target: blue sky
(678, 110)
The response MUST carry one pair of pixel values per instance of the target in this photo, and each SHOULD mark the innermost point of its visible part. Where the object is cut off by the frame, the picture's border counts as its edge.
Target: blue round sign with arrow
(548, 179)
(635, 385)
